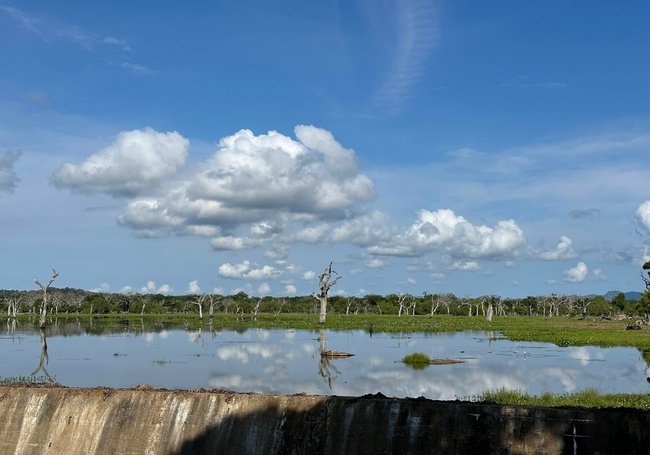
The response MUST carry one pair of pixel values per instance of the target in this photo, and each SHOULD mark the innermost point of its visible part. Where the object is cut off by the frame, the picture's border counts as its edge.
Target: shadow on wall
(378, 425)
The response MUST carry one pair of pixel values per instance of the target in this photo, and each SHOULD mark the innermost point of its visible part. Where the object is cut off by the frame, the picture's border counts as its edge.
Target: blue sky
(467, 147)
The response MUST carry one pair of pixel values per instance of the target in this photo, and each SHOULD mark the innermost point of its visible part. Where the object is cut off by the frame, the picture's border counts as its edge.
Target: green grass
(585, 399)
(417, 360)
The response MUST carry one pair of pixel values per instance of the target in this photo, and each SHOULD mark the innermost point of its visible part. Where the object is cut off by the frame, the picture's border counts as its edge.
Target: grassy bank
(583, 399)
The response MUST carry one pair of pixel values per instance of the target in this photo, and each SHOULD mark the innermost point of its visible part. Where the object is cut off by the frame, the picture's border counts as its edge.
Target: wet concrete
(59, 420)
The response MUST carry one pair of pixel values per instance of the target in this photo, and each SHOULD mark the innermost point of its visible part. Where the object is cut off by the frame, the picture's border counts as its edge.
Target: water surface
(289, 361)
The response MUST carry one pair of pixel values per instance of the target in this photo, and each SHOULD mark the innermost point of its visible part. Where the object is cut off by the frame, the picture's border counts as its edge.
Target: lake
(289, 361)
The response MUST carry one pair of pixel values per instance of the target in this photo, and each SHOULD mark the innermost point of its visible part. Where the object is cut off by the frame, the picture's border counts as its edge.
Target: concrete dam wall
(59, 420)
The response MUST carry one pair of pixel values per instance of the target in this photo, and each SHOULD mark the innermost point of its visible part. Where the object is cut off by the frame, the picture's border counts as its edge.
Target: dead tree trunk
(198, 301)
(256, 308)
(325, 282)
(401, 301)
(43, 313)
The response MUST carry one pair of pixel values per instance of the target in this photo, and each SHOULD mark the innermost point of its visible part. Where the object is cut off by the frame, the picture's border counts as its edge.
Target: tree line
(77, 301)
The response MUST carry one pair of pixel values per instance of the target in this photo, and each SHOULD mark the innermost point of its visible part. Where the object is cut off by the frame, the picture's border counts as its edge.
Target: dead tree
(256, 308)
(277, 313)
(13, 306)
(348, 305)
(325, 282)
(46, 297)
(402, 300)
(198, 301)
(646, 281)
(490, 311)
(435, 304)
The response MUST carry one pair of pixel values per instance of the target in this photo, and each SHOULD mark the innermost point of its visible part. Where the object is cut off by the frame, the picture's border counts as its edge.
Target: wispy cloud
(26, 21)
(525, 82)
(417, 36)
(115, 51)
(139, 70)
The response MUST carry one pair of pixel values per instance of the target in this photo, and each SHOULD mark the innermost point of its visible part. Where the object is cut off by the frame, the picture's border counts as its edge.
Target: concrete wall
(58, 420)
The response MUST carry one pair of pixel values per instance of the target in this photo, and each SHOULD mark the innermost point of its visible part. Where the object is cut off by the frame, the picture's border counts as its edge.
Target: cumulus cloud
(193, 287)
(445, 231)
(136, 161)
(152, 288)
(599, 275)
(364, 230)
(467, 266)
(290, 289)
(375, 263)
(265, 182)
(8, 177)
(264, 289)
(643, 214)
(577, 274)
(246, 270)
(563, 250)
(309, 275)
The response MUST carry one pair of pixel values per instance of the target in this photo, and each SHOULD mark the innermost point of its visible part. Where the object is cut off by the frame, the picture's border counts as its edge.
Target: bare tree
(646, 281)
(490, 311)
(282, 302)
(212, 302)
(402, 300)
(348, 304)
(435, 304)
(256, 308)
(43, 313)
(13, 306)
(226, 304)
(325, 282)
(198, 301)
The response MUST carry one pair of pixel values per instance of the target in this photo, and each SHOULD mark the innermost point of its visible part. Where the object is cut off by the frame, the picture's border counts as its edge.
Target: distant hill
(632, 295)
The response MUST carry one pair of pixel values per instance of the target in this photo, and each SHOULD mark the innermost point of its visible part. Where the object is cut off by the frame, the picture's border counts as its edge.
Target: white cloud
(290, 289)
(312, 234)
(267, 182)
(8, 177)
(137, 161)
(165, 289)
(151, 288)
(365, 230)
(417, 34)
(411, 281)
(228, 270)
(599, 275)
(563, 250)
(467, 266)
(233, 243)
(193, 287)
(263, 273)
(104, 287)
(309, 275)
(445, 231)
(375, 263)
(246, 271)
(577, 274)
(264, 289)
(643, 214)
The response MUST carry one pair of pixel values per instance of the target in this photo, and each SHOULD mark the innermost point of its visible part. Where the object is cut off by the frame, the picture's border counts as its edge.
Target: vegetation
(417, 360)
(585, 399)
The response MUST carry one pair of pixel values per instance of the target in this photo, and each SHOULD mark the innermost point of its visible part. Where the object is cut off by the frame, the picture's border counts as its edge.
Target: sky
(419, 145)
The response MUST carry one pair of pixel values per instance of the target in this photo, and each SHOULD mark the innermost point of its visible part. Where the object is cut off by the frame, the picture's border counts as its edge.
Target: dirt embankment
(59, 420)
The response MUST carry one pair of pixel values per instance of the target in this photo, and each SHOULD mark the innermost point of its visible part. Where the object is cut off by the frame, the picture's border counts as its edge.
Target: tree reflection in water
(44, 359)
